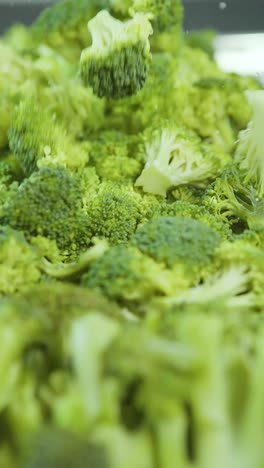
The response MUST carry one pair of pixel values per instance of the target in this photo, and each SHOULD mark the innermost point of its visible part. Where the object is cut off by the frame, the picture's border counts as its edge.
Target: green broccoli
(63, 26)
(113, 212)
(250, 144)
(36, 139)
(114, 156)
(234, 201)
(116, 65)
(164, 14)
(20, 266)
(175, 239)
(126, 274)
(44, 204)
(175, 156)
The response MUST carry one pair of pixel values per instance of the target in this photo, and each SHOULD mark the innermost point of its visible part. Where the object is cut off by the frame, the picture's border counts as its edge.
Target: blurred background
(240, 25)
(225, 16)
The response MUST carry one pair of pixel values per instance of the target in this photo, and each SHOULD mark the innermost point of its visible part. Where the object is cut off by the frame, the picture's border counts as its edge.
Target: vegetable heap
(131, 244)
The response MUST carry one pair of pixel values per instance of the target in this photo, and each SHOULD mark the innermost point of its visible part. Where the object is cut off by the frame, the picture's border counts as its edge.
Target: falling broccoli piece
(63, 26)
(45, 204)
(175, 239)
(175, 156)
(165, 14)
(116, 65)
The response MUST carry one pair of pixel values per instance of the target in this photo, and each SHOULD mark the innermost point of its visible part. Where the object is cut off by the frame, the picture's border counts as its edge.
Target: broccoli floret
(114, 156)
(114, 212)
(64, 26)
(49, 204)
(250, 145)
(126, 274)
(164, 14)
(176, 239)
(175, 156)
(35, 139)
(203, 40)
(235, 201)
(53, 448)
(19, 263)
(116, 65)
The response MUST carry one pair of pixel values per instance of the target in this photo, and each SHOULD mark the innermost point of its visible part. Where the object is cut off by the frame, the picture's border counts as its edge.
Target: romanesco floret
(116, 65)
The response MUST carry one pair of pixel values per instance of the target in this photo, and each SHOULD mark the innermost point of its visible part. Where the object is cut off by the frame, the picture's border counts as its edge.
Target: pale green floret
(116, 65)
(174, 156)
(250, 149)
(166, 14)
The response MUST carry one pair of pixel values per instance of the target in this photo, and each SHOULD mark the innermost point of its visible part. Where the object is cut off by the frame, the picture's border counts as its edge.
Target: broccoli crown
(124, 273)
(45, 204)
(113, 156)
(37, 139)
(175, 156)
(175, 239)
(234, 200)
(114, 213)
(19, 262)
(116, 65)
(165, 13)
(250, 145)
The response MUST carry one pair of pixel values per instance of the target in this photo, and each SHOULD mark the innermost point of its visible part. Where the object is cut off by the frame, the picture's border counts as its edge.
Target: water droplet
(222, 5)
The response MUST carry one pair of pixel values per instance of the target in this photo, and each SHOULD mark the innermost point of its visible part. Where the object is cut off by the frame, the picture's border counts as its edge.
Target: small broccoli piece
(203, 40)
(63, 26)
(54, 448)
(35, 139)
(234, 201)
(188, 210)
(49, 204)
(126, 274)
(113, 154)
(114, 212)
(19, 263)
(164, 14)
(175, 156)
(250, 145)
(176, 239)
(116, 65)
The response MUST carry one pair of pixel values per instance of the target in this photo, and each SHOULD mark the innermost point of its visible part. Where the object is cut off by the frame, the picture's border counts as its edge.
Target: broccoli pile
(131, 244)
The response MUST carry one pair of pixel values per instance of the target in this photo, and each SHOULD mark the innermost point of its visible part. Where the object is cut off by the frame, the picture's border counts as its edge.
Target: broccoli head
(49, 204)
(165, 14)
(175, 156)
(251, 143)
(235, 201)
(19, 263)
(116, 65)
(175, 239)
(114, 212)
(63, 26)
(126, 274)
(36, 139)
(113, 156)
